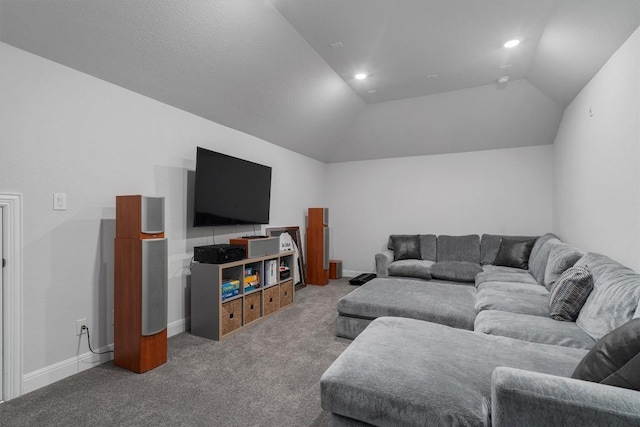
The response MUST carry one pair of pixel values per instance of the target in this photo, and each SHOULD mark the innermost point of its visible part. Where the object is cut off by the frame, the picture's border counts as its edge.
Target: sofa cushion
(498, 268)
(514, 302)
(457, 271)
(505, 274)
(540, 255)
(417, 268)
(561, 257)
(432, 301)
(427, 245)
(525, 288)
(405, 246)
(569, 293)
(404, 372)
(543, 330)
(459, 248)
(514, 253)
(615, 359)
(614, 299)
(490, 244)
(541, 241)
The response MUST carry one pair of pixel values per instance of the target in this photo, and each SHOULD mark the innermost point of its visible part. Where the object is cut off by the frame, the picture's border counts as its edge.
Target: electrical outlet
(59, 201)
(79, 324)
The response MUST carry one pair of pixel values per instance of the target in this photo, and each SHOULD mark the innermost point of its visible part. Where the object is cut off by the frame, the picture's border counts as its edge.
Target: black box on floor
(362, 279)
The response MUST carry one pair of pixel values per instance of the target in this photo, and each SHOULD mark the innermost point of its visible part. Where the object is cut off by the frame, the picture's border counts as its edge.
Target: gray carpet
(265, 375)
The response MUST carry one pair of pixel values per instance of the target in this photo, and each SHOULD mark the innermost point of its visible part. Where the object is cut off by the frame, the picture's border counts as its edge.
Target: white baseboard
(61, 370)
(177, 327)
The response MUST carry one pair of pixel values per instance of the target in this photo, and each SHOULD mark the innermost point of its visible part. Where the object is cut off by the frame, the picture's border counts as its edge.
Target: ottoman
(406, 372)
(439, 302)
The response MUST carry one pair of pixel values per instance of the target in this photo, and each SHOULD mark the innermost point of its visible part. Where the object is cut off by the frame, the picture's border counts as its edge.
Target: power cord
(85, 328)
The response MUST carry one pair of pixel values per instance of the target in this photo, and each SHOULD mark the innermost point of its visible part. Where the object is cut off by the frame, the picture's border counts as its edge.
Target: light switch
(59, 201)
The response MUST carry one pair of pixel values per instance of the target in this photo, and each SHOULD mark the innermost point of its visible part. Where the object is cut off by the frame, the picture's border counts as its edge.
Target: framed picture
(294, 232)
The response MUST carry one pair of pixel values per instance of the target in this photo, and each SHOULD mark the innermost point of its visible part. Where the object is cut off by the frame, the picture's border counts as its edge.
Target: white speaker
(152, 214)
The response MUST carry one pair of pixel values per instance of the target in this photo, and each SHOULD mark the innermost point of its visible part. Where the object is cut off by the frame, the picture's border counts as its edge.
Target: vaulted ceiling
(283, 70)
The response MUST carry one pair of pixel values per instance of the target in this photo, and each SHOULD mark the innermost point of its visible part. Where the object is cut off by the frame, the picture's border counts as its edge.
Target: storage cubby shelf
(214, 317)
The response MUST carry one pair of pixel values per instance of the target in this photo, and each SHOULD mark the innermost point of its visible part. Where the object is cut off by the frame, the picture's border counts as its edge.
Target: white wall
(505, 191)
(597, 168)
(64, 131)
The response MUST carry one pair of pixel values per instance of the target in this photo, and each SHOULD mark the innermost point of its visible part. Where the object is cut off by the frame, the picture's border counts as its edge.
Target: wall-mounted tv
(230, 191)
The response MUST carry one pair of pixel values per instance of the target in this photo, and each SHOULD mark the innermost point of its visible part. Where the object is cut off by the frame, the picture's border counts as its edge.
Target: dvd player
(218, 254)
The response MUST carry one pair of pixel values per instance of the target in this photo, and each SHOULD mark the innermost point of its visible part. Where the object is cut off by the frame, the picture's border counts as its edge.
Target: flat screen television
(230, 191)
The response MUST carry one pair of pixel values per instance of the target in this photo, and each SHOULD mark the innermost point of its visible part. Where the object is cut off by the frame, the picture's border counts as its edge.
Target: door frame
(11, 205)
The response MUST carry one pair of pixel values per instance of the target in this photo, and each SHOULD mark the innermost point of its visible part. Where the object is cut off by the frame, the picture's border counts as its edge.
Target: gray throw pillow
(490, 245)
(456, 271)
(514, 253)
(406, 246)
(615, 359)
(569, 294)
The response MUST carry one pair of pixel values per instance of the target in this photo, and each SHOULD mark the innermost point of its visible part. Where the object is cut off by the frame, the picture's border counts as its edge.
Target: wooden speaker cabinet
(140, 284)
(318, 246)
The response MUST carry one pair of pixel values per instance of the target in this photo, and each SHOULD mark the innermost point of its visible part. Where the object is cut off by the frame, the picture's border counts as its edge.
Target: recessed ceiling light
(512, 43)
(360, 76)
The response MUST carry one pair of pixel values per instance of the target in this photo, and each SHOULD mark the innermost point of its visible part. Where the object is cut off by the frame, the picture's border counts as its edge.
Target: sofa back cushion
(540, 255)
(561, 257)
(541, 241)
(490, 244)
(614, 299)
(459, 248)
(427, 245)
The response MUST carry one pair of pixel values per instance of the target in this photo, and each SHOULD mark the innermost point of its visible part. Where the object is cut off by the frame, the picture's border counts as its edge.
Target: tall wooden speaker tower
(318, 246)
(140, 284)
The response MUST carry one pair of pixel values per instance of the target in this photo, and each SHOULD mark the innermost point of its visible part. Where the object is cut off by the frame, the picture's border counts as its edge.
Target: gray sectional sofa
(434, 351)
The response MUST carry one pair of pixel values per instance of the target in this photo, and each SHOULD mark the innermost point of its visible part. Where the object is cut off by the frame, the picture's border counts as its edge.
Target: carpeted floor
(265, 375)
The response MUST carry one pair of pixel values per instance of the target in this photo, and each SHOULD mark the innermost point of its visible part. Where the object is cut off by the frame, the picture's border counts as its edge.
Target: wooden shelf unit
(214, 317)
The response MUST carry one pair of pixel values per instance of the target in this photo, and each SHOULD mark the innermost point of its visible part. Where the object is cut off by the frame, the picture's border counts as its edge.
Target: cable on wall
(84, 327)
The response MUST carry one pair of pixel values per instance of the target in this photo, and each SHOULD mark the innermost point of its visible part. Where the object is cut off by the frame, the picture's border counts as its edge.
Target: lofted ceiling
(282, 70)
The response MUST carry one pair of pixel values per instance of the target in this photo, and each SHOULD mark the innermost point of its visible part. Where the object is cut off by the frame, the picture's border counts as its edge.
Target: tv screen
(230, 191)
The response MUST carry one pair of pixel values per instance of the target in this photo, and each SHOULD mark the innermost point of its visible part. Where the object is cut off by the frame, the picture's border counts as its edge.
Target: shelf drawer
(231, 315)
(286, 293)
(271, 299)
(252, 307)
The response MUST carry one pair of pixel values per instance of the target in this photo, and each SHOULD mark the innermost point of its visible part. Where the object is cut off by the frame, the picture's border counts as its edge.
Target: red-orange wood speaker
(318, 246)
(140, 284)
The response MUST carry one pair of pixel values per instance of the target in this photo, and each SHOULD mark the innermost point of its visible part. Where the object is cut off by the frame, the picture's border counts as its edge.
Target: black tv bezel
(265, 217)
